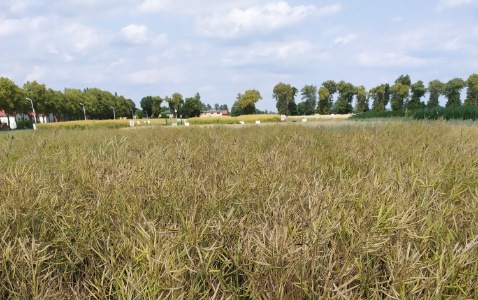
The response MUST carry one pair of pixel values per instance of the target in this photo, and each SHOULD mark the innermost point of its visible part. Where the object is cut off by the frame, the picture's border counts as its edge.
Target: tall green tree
(11, 98)
(378, 95)
(146, 104)
(435, 88)
(38, 93)
(331, 86)
(156, 107)
(343, 105)
(418, 90)
(362, 99)
(472, 91)
(324, 101)
(283, 94)
(398, 92)
(309, 98)
(192, 107)
(247, 101)
(453, 91)
(175, 103)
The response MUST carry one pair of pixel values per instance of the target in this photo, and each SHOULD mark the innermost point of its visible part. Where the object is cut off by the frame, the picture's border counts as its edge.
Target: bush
(25, 124)
(448, 113)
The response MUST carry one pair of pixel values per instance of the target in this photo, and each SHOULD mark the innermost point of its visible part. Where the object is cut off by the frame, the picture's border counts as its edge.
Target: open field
(234, 120)
(260, 212)
(98, 124)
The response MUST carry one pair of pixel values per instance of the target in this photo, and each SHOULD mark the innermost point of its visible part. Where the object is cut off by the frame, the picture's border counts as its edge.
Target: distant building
(13, 119)
(214, 113)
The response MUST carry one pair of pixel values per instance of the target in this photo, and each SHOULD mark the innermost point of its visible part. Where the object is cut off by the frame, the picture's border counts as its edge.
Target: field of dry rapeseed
(255, 212)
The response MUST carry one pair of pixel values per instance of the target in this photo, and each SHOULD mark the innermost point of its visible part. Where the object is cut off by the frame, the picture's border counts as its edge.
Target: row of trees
(188, 108)
(65, 105)
(401, 95)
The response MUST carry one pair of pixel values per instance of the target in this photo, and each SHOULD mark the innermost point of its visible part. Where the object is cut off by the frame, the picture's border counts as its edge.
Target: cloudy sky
(222, 47)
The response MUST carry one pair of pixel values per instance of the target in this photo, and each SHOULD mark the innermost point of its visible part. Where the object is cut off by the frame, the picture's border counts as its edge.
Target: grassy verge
(271, 212)
(316, 118)
(234, 120)
(98, 124)
(378, 114)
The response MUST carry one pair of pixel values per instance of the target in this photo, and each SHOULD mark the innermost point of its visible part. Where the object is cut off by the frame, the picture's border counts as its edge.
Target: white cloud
(447, 4)
(135, 34)
(260, 53)
(390, 59)
(345, 39)
(157, 75)
(151, 6)
(37, 73)
(329, 10)
(270, 17)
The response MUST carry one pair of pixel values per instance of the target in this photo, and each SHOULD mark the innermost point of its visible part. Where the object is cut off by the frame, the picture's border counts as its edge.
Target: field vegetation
(255, 212)
(234, 120)
(447, 113)
(99, 124)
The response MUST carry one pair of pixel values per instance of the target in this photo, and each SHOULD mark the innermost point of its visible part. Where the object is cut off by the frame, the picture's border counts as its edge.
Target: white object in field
(131, 123)
(186, 124)
(332, 116)
(175, 124)
(241, 122)
(282, 118)
(34, 126)
(258, 122)
(138, 122)
(149, 122)
(304, 120)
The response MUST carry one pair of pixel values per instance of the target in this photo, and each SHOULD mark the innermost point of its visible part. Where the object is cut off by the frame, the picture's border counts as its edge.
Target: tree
(309, 96)
(453, 91)
(224, 107)
(156, 107)
(362, 99)
(247, 102)
(331, 86)
(343, 105)
(472, 91)
(292, 108)
(36, 92)
(216, 106)
(235, 109)
(323, 107)
(283, 94)
(399, 92)
(11, 97)
(418, 91)
(378, 95)
(147, 105)
(192, 107)
(435, 88)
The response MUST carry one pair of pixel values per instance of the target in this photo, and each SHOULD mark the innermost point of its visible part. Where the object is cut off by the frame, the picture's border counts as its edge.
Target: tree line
(177, 105)
(402, 95)
(65, 105)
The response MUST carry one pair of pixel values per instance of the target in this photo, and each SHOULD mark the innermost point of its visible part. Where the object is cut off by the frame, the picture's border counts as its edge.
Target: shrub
(447, 113)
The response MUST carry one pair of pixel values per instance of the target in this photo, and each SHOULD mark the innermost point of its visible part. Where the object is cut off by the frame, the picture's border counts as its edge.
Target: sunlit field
(285, 211)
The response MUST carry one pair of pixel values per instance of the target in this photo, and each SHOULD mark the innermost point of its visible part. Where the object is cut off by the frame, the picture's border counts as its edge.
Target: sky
(220, 48)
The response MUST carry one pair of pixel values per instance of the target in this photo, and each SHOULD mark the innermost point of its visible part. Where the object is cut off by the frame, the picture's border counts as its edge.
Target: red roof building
(224, 112)
(2, 113)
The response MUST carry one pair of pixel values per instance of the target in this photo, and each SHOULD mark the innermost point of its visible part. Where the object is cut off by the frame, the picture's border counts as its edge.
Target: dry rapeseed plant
(273, 212)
